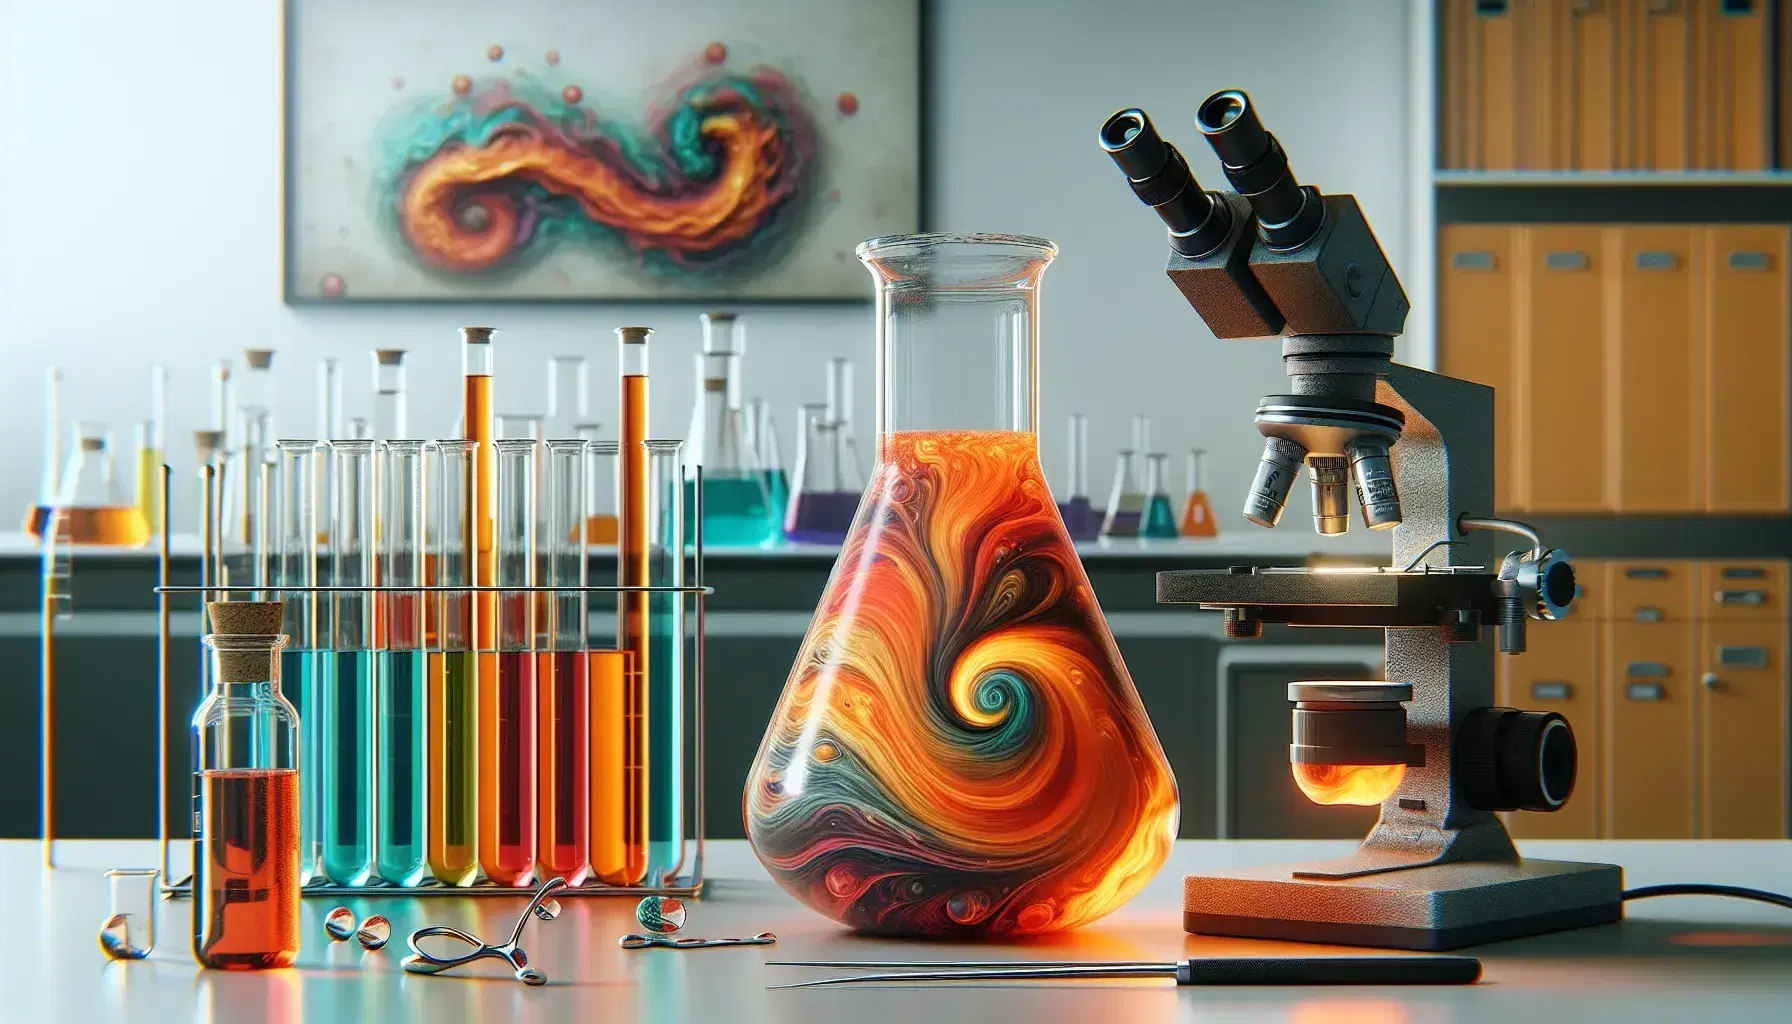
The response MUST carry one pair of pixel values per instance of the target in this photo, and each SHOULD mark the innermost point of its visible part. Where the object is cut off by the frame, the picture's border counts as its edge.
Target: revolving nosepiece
(1288, 216)
(1276, 474)
(1160, 177)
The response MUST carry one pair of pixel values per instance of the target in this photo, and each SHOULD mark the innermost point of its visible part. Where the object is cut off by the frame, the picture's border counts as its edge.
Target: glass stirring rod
(1321, 970)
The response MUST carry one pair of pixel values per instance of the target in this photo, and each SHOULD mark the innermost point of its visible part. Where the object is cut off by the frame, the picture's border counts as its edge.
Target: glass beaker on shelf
(820, 512)
(1126, 503)
(1159, 522)
(91, 502)
(1197, 510)
(246, 797)
(959, 750)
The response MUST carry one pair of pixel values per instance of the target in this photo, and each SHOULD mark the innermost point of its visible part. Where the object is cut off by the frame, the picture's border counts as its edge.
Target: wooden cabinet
(1559, 671)
(1648, 592)
(1742, 719)
(1561, 402)
(1649, 678)
(1746, 376)
(1636, 368)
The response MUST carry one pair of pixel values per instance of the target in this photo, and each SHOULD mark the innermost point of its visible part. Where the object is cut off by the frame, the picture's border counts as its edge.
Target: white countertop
(1672, 959)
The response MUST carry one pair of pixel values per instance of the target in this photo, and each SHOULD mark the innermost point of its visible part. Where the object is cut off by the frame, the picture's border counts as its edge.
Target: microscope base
(1442, 906)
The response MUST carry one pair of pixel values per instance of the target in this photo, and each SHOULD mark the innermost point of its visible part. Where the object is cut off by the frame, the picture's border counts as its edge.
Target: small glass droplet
(547, 910)
(115, 939)
(374, 932)
(661, 915)
(531, 976)
(340, 924)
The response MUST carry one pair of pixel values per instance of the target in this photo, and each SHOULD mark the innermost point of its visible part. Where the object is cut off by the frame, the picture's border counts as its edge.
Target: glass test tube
(477, 365)
(453, 784)
(151, 442)
(349, 693)
(330, 427)
(665, 707)
(302, 665)
(223, 411)
(507, 699)
(48, 487)
(390, 412)
(562, 671)
(634, 609)
(600, 487)
(246, 797)
(402, 857)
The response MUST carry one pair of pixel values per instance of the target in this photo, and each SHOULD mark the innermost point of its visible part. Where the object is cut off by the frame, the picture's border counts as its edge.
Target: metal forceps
(692, 942)
(422, 962)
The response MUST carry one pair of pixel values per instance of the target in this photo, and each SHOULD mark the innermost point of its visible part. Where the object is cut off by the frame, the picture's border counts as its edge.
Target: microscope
(1275, 259)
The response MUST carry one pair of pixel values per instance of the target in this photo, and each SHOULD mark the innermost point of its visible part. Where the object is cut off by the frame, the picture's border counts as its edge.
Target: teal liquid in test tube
(295, 565)
(665, 663)
(347, 681)
(403, 672)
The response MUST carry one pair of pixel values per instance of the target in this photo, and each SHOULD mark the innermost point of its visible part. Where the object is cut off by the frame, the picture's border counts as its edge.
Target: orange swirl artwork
(959, 751)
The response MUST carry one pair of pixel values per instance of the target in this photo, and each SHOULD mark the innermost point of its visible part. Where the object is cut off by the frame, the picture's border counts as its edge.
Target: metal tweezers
(421, 962)
(1313, 970)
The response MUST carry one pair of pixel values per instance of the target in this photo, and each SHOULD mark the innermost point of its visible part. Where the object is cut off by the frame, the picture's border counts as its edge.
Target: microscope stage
(1441, 906)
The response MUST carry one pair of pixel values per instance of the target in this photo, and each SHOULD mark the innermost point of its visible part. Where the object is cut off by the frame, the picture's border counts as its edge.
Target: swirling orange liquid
(959, 750)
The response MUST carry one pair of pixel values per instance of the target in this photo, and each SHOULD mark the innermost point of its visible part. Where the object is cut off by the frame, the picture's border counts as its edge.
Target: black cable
(1709, 889)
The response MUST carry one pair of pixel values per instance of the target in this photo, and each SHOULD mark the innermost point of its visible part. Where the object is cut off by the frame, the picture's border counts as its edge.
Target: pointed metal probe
(1324, 970)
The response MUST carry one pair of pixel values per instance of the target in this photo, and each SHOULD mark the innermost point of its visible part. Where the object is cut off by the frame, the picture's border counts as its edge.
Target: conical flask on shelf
(959, 750)
(1197, 510)
(37, 515)
(91, 502)
(820, 512)
(1160, 515)
(1080, 517)
(770, 457)
(736, 503)
(1126, 503)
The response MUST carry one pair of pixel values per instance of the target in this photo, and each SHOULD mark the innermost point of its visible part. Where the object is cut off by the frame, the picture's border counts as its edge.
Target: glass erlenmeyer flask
(819, 512)
(92, 503)
(771, 458)
(959, 750)
(1126, 503)
(1160, 516)
(1197, 510)
(735, 499)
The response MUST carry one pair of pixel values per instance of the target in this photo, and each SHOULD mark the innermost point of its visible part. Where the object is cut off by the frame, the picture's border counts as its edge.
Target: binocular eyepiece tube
(1160, 177)
(1287, 214)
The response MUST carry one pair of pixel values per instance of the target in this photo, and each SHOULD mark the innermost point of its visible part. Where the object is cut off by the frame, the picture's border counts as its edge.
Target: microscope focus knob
(1511, 760)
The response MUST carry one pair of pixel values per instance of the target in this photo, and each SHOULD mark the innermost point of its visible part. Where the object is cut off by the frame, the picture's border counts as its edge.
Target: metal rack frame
(688, 884)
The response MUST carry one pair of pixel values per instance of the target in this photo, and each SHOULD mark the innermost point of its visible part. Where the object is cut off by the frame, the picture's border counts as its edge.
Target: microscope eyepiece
(1160, 177)
(1287, 215)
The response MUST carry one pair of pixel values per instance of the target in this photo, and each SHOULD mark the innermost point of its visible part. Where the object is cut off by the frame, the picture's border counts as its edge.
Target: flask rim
(888, 245)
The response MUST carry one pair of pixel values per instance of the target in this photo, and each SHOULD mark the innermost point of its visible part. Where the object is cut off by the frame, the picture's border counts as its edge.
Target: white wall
(140, 218)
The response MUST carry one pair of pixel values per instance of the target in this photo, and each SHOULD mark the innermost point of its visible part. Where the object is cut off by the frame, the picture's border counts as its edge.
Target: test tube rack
(211, 569)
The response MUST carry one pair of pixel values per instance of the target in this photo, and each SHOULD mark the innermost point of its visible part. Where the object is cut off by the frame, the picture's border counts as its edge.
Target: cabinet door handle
(1648, 615)
(1742, 657)
(1645, 573)
(1753, 598)
(1656, 261)
(1743, 572)
(1646, 670)
(1475, 260)
(1554, 689)
(1565, 260)
(1710, 680)
(1646, 692)
(1750, 261)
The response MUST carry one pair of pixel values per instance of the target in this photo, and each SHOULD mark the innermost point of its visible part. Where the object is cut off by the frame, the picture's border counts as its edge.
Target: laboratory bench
(1666, 752)
(1671, 959)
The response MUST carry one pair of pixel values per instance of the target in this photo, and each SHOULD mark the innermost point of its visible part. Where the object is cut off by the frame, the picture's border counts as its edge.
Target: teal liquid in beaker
(665, 739)
(346, 753)
(777, 489)
(403, 850)
(296, 676)
(735, 512)
(1160, 518)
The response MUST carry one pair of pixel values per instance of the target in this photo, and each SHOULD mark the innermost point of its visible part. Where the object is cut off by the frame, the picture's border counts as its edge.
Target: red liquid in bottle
(565, 804)
(246, 869)
(508, 777)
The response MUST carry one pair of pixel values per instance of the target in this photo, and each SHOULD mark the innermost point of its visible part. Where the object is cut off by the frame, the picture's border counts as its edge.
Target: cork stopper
(206, 444)
(395, 356)
(245, 619)
(720, 315)
(633, 335)
(477, 335)
(259, 358)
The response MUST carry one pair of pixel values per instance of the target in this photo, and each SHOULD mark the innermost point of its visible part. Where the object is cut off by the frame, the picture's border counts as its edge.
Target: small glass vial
(245, 797)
